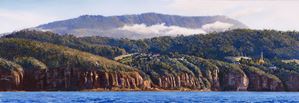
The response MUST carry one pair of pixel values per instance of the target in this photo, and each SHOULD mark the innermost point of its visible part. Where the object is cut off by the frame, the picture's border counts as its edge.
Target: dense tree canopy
(215, 45)
(69, 41)
(55, 56)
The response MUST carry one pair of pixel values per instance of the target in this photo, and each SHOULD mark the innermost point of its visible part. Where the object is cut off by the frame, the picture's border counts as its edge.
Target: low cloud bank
(217, 26)
(162, 29)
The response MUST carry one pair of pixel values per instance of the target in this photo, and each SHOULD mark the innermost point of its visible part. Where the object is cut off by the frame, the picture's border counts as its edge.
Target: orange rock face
(234, 81)
(82, 79)
(183, 80)
(74, 79)
(10, 80)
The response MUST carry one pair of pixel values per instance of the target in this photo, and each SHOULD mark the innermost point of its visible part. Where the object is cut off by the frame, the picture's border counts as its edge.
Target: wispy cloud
(217, 26)
(160, 29)
(259, 14)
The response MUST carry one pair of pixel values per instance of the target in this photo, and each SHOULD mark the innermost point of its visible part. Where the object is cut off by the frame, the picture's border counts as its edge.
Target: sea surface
(149, 97)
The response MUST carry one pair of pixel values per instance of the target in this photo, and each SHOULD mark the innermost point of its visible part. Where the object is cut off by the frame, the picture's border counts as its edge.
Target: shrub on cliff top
(30, 63)
(260, 72)
(68, 41)
(8, 66)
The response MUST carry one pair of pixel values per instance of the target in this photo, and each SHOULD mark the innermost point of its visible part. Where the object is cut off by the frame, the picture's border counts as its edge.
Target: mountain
(3, 34)
(140, 26)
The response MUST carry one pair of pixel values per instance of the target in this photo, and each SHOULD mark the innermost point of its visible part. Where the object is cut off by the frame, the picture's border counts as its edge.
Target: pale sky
(257, 14)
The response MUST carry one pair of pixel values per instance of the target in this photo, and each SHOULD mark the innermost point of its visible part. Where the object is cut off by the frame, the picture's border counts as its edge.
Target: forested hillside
(56, 67)
(69, 41)
(35, 60)
(274, 44)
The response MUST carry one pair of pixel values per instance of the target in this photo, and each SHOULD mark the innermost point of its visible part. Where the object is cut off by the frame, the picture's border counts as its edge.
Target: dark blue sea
(149, 97)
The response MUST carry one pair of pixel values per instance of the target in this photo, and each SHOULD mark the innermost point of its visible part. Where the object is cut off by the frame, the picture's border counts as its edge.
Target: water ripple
(149, 97)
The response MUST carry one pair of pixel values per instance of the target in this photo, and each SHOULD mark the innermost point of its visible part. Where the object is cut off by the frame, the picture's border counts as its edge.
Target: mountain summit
(141, 26)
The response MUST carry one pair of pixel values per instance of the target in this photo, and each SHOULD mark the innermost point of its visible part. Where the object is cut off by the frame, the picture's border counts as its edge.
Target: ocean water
(149, 97)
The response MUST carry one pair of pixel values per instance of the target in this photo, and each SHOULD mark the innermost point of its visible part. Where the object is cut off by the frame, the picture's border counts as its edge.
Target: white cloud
(217, 26)
(257, 14)
(160, 29)
(16, 20)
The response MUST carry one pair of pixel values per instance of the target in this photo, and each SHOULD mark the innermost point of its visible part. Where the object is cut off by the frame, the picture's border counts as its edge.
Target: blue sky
(257, 14)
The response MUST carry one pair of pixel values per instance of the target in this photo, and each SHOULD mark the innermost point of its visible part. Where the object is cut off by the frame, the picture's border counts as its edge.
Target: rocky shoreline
(214, 76)
(133, 81)
(26, 65)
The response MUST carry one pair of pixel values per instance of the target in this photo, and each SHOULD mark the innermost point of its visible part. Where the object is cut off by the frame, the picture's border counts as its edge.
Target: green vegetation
(251, 69)
(200, 57)
(57, 56)
(274, 44)
(8, 66)
(292, 66)
(69, 41)
(30, 63)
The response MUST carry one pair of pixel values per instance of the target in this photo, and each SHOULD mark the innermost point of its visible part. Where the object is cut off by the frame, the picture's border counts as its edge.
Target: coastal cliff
(60, 68)
(30, 74)
(11, 75)
(80, 80)
(194, 73)
(37, 63)
(54, 80)
(261, 81)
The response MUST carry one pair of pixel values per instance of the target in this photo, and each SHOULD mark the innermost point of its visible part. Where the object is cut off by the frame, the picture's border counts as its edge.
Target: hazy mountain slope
(141, 26)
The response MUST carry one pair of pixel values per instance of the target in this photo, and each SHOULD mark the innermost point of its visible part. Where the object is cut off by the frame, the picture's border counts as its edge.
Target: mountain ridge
(139, 26)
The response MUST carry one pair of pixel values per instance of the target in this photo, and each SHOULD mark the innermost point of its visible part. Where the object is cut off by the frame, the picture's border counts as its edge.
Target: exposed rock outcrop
(61, 79)
(74, 79)
(290, 79)
(53, 67)
(234, 81)
(261, 81)
(11, 75)
(206, 72)
(34, 73)
(232, 78)
(183, 80)
(210, 75)
(31, 74)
